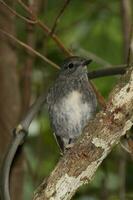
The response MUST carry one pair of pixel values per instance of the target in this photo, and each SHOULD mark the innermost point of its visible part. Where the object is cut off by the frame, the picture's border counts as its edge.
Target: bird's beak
(86, 62)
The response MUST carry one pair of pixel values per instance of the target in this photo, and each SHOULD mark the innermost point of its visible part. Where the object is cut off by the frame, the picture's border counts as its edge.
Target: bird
(71, 101)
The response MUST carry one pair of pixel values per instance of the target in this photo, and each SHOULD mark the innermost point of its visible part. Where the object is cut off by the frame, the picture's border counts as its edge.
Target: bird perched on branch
(71, 101)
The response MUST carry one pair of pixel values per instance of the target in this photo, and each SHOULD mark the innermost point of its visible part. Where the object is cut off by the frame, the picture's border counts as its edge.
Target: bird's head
(75, 65)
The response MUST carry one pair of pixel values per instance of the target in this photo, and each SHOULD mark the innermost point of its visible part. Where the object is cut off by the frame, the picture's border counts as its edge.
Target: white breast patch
(75, 108)
(72, 106)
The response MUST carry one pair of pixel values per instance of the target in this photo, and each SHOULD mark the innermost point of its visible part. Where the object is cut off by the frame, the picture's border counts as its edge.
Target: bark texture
(9, 98)
(79, 164)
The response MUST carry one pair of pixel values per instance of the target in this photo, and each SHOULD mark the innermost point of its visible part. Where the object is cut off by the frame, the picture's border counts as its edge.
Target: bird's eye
(70, 65)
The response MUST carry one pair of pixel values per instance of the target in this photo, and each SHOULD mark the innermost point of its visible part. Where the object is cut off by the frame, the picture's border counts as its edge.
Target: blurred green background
(90, 28)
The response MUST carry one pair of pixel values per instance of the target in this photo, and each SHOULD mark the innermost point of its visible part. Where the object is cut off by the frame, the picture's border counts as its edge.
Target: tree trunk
(9, 99)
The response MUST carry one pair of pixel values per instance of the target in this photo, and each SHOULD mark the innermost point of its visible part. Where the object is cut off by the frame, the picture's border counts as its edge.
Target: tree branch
(34, 20)
(80, 163)
(33, 16)
(17, 14)
(57, 19)
(29, 48)
(46, 29)
(20, 133)
(107, 72)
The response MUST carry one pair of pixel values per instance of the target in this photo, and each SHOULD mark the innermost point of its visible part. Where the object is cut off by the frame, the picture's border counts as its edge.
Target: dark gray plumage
(71, 101)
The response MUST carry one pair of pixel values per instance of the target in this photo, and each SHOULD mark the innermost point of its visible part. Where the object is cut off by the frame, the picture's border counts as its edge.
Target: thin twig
(29, 48)
(58, 42)
(126, 24)
(25, 7)
(46, 29)
(57, 19)
(54, 37)
(17, 14)
(130, 50)
(121, 69)
(26, 71)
